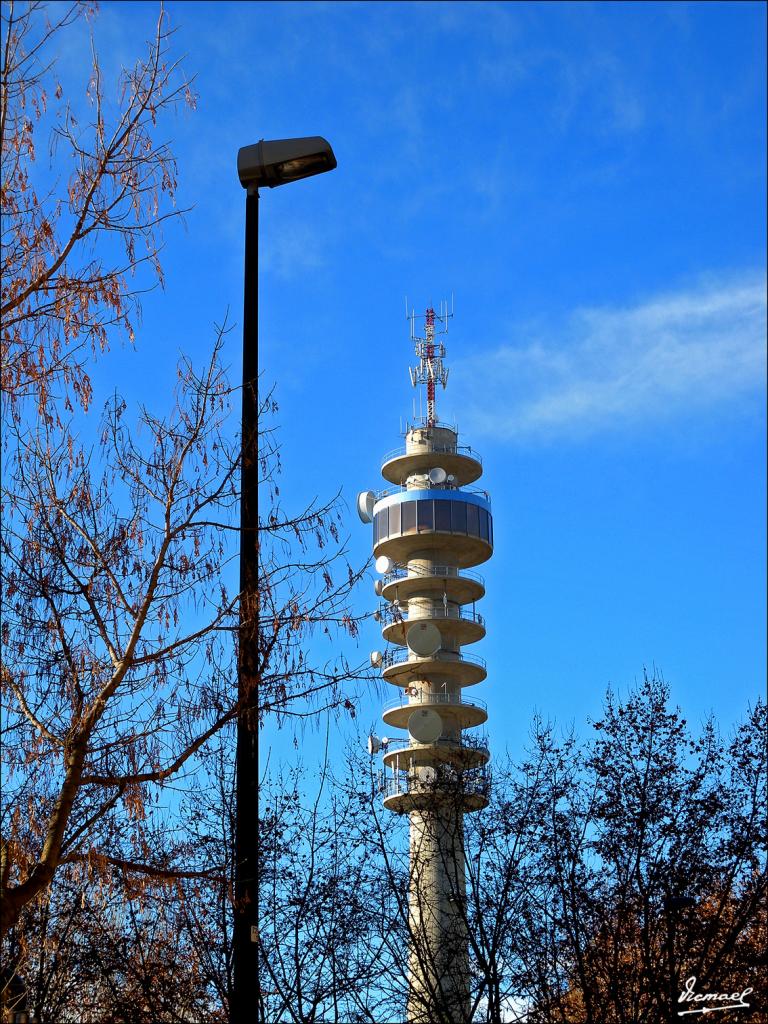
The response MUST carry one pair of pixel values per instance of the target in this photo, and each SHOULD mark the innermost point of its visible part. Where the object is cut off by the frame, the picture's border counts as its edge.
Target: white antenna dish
(378, 586)
(437, 475)
(376, 658)
(451, 479)
(377, 616)
(425, 725)
(374, 745)
(423, 638)
(426, 775)
(383, 564)
(365, 502)
(385, 741)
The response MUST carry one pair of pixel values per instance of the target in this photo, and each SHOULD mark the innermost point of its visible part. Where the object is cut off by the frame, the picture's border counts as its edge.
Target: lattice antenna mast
(430, 370)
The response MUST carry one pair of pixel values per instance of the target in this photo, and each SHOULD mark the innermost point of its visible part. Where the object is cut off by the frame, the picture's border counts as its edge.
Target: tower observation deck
(430, 529)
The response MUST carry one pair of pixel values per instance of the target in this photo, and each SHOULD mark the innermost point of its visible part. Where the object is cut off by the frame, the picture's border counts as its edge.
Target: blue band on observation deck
(414, 495)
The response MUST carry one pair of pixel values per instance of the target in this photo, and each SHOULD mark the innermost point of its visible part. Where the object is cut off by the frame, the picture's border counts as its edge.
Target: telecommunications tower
(430, 528)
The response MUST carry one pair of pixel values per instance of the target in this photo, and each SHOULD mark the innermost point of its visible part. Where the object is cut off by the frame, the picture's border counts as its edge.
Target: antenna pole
(430, 361)
(430, 370)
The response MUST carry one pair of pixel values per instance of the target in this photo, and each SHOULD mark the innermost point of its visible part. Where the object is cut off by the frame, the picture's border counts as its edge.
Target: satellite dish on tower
(378, 586)
(451, 479)
(374, 745)
(376, 658)
(425, 725)
(383, 564)
(365, 502)
(437, 475)
(426, 775)
(423, 638)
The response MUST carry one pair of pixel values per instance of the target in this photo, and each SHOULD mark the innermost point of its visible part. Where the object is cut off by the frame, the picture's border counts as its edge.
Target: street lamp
(265, 164)
(672, 907)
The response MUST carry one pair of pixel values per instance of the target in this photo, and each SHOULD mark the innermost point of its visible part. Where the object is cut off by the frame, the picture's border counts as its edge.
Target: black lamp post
(672, 907)
(265, 164)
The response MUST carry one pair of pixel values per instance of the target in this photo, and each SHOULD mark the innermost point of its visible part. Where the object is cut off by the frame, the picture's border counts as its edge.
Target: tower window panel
(458, 517)
(490, 529)
(394, 520)
(383, 524)
(473, 525)
(425, 516)
(443, 515)
(408, 517)
(484, 524)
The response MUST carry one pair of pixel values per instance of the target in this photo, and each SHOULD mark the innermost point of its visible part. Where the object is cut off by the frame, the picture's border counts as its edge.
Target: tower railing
(470, 781)
(403, 488)
(433, 449)
(422, 423)
(397, 656)
(388, 614)
(469, 741)
(451, 699)
(401, 572)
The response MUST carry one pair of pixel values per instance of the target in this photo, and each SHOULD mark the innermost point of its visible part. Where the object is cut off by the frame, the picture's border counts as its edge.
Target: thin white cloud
(293, 250)
(601, 369)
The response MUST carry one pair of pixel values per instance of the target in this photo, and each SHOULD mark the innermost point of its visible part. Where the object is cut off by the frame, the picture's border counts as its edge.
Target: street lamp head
(282, 160)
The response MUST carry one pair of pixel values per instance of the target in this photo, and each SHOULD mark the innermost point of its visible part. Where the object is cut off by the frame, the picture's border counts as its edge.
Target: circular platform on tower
(458, 625)
(464, 713)
(403, 669)
(467, 752)
(462, 463)
(459, 587)
(413, 524)
(406, 792)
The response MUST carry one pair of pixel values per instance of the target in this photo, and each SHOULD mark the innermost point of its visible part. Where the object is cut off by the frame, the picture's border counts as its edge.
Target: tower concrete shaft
(429, 530)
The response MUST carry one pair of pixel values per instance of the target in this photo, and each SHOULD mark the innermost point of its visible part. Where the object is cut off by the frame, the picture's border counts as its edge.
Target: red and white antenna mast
(430, 370)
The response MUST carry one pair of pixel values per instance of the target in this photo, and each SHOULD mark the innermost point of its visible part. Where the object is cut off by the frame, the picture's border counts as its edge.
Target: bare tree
(120, 614)
(108, 947)
(571, 871)
(117, 629)
(325, 944)
(652, 867)
(75, 232)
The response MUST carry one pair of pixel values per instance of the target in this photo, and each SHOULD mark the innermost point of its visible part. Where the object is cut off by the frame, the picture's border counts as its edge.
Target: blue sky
(588, 181)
